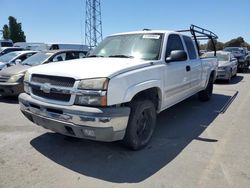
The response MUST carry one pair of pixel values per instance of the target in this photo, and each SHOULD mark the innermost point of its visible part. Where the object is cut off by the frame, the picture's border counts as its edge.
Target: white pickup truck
(116, 92)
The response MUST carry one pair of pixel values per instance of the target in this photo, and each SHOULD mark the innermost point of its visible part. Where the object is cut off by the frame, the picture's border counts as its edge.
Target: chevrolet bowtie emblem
(46, 88)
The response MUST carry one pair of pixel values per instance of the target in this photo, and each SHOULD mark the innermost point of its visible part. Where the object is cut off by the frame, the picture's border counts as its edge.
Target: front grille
(52, 96)
(4, 78)
(53, 80)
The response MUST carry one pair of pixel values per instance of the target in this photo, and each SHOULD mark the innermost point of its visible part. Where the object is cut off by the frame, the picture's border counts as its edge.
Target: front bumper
(223, 75)
(102, 124)
(11, 89)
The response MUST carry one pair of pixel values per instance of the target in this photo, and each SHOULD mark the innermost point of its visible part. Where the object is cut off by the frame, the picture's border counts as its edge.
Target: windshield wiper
(121, 56)
(95, 56)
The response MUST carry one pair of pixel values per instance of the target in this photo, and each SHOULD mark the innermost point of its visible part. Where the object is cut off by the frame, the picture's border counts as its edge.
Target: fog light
(89, 133)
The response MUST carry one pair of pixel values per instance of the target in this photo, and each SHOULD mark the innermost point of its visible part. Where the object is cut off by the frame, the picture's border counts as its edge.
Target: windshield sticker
(151, 36)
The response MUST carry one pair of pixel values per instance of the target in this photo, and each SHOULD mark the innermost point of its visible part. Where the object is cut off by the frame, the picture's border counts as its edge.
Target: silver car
(227, 67)
(11, 79)
(14, 58)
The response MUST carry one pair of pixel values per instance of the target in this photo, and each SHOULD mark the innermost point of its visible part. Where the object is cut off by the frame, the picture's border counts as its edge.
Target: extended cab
(116, 92)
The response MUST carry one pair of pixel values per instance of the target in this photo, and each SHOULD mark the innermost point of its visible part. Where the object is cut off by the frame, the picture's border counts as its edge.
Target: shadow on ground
(233, 81)
(10, 100)
(176, 128)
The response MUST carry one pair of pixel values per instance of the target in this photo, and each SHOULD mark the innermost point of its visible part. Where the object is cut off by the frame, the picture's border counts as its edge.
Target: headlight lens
(26, 76)
(16, 78)
(26, 79)
(97, 95)
(94, 84)
(91, 100)
(224, 68)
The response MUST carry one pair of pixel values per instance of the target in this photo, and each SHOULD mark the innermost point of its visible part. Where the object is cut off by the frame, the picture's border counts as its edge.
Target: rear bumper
(11, 89)
(102, 124)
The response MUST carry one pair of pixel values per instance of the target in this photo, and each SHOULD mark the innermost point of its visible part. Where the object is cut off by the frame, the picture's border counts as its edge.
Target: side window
(28, 55)
(174, 43)
(190, 47)
(59, 57)
(22, 57)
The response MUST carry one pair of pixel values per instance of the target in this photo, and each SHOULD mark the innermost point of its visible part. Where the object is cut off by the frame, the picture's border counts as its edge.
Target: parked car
(56, 46)
(248, 60)
(240, 54)
(14, 58)
(5, 50)
(227, 67)
(11, 79)
(6, 43)
(116, 92)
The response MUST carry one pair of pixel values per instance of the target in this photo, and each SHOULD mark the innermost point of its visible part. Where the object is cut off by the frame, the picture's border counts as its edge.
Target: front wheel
(206, 94)
(141, 124)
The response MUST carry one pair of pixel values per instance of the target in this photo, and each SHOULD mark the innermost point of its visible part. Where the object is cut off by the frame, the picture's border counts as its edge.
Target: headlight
(94, 84)
(16, 78)
(26, 76)
(26, 79)
(96, 94)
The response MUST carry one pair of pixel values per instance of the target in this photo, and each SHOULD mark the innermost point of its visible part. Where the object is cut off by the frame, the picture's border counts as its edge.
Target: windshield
(37, 59)
(235, 49)
(9, 56)
(222, 57)
(142, 46)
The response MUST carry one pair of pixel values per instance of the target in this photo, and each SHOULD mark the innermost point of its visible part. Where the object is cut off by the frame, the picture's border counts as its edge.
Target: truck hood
(16, 69)
(90, 67)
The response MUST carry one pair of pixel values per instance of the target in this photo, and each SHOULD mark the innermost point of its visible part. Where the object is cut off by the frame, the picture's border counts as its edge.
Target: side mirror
(18, 61)
(177, 55)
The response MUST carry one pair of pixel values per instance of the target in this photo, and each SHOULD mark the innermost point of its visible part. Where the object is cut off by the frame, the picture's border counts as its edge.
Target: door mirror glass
(177, 55)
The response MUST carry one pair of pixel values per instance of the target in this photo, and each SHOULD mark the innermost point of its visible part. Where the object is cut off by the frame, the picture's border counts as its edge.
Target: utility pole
(1, 31)
(93, 23)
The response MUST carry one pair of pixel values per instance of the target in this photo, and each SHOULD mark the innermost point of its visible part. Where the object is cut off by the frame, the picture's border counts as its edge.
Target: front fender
(137, 88)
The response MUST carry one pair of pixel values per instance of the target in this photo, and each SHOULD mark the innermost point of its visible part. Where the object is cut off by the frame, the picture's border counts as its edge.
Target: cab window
(174, 43)
(190, 47)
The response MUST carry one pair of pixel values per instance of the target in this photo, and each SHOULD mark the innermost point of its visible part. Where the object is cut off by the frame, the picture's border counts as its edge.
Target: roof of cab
(148, 32)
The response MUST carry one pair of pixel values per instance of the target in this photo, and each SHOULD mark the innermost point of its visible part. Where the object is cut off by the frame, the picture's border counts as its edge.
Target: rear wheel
(206, 94)
(141, 124)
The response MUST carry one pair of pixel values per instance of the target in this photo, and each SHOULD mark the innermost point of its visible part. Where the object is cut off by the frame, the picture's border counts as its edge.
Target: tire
(141, 124)
(206, 94)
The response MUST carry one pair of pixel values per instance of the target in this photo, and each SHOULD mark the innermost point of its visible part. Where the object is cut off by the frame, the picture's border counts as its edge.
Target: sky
(62, 21)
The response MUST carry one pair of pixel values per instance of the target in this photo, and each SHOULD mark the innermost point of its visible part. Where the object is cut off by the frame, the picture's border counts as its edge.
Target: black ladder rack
(199, 33)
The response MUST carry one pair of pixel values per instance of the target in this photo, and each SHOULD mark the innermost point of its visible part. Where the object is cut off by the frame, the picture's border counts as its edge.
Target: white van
(32, 46)
(6, 43)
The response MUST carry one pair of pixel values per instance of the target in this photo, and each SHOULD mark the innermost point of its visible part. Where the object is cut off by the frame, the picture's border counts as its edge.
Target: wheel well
(151, 94)
(213, 75)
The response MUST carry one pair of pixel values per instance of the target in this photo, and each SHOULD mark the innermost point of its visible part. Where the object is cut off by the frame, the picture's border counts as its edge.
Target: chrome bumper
(103, 124)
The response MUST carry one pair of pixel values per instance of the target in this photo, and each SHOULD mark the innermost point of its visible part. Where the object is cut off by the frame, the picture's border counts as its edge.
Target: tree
(218, 45)
(14, 31)
(237, 42)
(6, 32)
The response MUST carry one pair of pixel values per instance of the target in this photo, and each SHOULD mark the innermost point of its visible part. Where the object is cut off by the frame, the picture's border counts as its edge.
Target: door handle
(188, 68)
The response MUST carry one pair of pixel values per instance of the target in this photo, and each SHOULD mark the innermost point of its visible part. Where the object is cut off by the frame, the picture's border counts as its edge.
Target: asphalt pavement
(195, 144)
